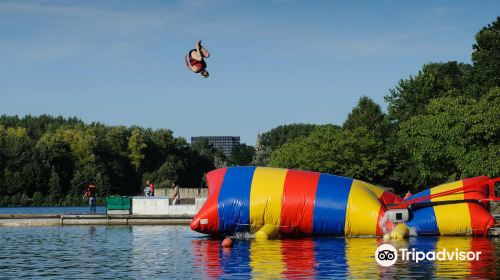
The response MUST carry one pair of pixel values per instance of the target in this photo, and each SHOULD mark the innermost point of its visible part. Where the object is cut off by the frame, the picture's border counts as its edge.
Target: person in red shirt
(151, 187)
(195, 59)
(91, 194)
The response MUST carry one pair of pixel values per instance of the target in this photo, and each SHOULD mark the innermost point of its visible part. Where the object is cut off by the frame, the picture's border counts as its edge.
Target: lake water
(175, 252)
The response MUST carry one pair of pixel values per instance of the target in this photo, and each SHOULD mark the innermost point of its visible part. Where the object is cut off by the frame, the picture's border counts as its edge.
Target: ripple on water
(152, 252)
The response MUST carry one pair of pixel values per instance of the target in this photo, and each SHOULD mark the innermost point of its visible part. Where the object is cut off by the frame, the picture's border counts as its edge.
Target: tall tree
(486, 56)
(278, 136)
(367, 114)
(455, 136)
(351, 153)
(55, 188)
(135, 146)
(435, 80)
(242, 155)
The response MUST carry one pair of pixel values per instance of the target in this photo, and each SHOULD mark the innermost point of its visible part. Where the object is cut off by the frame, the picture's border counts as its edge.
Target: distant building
(224, 143)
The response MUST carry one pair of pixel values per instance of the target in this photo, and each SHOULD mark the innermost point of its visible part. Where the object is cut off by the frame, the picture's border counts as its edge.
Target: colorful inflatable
(280, 202)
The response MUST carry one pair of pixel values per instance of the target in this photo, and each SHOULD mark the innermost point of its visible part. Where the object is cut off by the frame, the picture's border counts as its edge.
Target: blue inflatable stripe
(331, 204)
(234, 200)
(424, 219)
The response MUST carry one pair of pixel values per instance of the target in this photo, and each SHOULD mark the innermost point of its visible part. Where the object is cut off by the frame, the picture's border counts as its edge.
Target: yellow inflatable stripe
(376, 190)
(451, 218)
(362, 212)
(266, 196)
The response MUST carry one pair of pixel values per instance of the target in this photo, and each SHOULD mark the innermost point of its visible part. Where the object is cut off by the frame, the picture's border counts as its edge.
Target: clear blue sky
(272, 63)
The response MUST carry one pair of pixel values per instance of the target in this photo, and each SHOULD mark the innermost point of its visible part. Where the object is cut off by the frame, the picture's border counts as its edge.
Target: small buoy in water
(227, 242)
(387, 236)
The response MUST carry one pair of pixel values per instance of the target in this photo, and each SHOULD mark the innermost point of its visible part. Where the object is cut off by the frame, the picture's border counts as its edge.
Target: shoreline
(9, 220)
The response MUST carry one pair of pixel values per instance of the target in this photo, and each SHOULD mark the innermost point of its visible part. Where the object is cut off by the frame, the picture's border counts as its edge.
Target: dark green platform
(119, 203)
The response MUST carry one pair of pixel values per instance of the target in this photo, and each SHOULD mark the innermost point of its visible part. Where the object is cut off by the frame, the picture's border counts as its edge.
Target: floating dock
(92, 219)
(157, 210)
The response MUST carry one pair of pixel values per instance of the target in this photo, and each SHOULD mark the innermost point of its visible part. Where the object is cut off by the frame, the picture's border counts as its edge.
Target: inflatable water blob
(274, 202)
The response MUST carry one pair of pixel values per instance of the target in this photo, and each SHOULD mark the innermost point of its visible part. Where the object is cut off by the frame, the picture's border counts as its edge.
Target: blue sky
(273, 62)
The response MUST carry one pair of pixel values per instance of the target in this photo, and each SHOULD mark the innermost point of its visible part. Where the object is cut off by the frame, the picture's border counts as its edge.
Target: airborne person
(195, 61)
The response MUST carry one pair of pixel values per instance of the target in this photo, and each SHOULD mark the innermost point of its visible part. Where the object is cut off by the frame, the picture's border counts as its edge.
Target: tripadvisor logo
(387, 255)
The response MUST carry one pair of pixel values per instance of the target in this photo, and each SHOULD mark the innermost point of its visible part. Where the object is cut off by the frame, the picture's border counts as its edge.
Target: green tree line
(441, 124)
(47, 160)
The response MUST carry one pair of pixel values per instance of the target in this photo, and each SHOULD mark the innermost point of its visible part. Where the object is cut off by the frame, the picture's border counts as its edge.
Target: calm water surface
(175, 252)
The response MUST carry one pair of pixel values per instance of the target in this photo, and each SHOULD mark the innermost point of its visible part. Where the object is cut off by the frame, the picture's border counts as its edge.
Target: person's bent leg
(93, 205)
(204, 52)
(197, 55)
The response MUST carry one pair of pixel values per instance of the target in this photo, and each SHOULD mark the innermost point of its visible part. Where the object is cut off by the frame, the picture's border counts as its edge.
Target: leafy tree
(205, 149)
(486, 56)
(38, 199)
(22, 171)
(272, 140)
(284, 133)
(55, 188)
(435, 80)
(58, 156)
(242, 155)
(261, 156)
(135, 146)
(168, 173)
(352, 153)
(369, 115)
(459, 136)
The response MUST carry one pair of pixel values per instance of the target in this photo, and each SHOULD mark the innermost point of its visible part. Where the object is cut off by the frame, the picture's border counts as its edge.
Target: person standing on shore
(91, 194)
(202, 184)
(151, 187)
(175, 194)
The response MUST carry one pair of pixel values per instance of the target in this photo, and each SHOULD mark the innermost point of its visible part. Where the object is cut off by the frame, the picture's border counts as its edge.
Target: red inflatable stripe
(299, 194)
(211, 218)
(481, 220)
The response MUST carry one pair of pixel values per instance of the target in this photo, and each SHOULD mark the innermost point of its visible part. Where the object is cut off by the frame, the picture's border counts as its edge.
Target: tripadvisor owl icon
(386, 255)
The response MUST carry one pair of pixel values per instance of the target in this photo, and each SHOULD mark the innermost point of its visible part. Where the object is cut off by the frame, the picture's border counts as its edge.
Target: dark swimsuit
(200, 65)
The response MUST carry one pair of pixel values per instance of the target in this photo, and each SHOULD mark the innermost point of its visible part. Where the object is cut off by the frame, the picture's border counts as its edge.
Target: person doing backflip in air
(195, 61)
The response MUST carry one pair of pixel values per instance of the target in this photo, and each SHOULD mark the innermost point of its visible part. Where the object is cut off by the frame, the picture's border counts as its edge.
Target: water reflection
(339, 258)
(298, 265)
(360, 258)
(175, 252)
